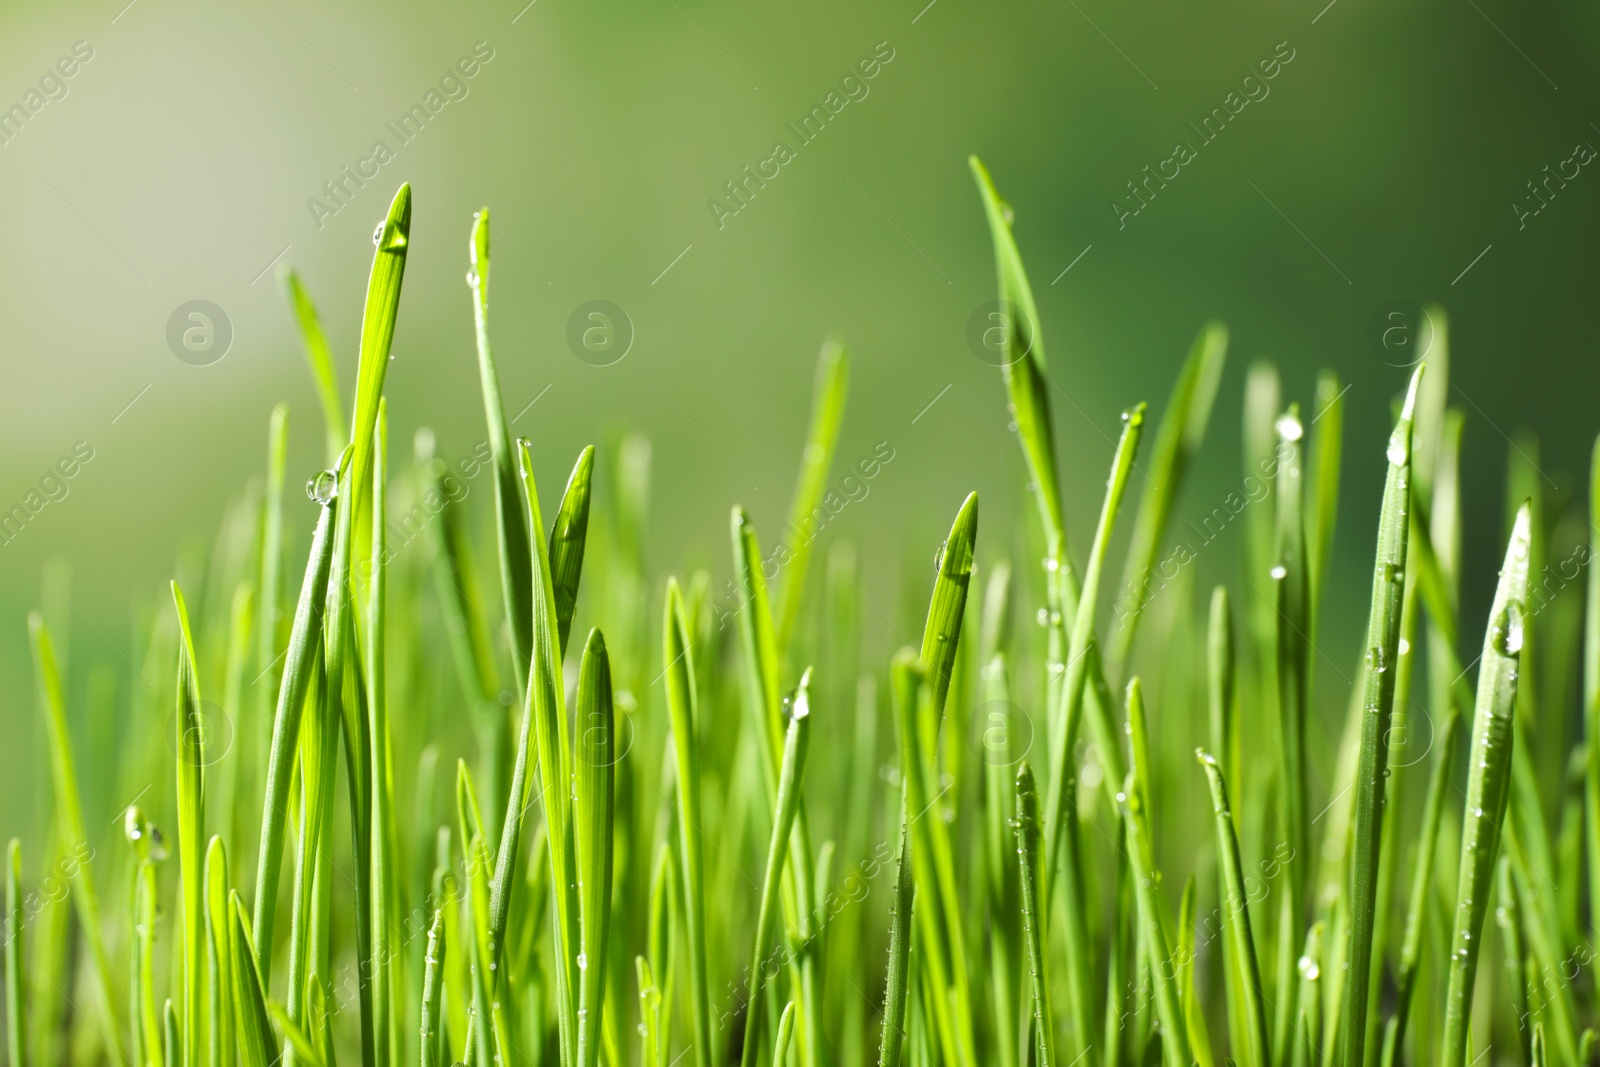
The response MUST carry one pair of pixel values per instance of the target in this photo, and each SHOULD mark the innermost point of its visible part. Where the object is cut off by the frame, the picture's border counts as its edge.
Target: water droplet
(1506, 633)
(1280, 572)
(1289, 428)
(1309, 970)
(938, 557)
(1399, 449)
(1405, 646)
(1012, 426)
(1043, 617)
(323, 487)
(1377, 663)
(1134, 416)
(389, 238)
(472, 278)
(583, 965)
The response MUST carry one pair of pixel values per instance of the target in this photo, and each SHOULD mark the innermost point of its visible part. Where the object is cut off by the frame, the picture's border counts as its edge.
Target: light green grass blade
(305, 640)
(69, 812)
(16, 992)
(1488, 781)
(1383, 639)
(1027, 835)
(511, 526)
(381, 840)
(780, 1053)
(149, 848)
(796, 740)
(1327, 444)
(320, 357)
(191, 749)
(304, 1049)
(219, 955)
(942, 631)
(1194, 1019)
(594, 812)
(257, 1047)
(1183, 428)
(683, 713)
(897, 983)
(1232, 891)
(1221, 682)
(568, 537)
(431, 1036)
(827, 413)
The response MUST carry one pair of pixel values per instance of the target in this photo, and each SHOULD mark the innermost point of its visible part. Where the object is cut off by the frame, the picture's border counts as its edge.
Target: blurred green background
(1383, 165)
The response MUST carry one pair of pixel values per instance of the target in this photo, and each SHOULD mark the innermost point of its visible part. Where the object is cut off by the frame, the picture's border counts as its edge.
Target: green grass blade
(567, 539)
(171, 1050)
(149, 849)
(1327, 443)
(942, 631)
(898, 980)
(381, 844)
(69, 812)
(827, 412)
(1383, 640)
(257, 1047)
(1292, 648)
(16, 993)
(594, 812)
(320, 357)
(1509, 918)
(1591, 700)
(1183, 428)
(780, 1053)
(1155, 927)
(796, 740)
(511, 525)
(296, 1038)
(1027, 834)
(305, 639)
(1236, 917)
(1488, 781)
(1194, 1019)
(431, 1037)
(190, 746)
(682, 710)
(219, 954)
(1221, 681)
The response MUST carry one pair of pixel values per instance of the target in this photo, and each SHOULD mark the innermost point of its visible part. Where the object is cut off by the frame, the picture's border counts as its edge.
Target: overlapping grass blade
(1383, 639)
(827, 413)
(568, 536)
(257, 1047)
(1488, 781)
(381, 845)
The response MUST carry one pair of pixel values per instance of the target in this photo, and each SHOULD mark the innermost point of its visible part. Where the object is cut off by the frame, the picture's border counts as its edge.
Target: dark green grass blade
(320, 357)
(305, 639)
(190, 747)
(16, 994)
(1236, 917)
(69, 812)
(1383, 639)
(1488, 781)
(796, 741)
(683, 712)
(897, 983)
(595, 774)
(511, 525)
(568, 537)
(827, 412)
(1183, 428)
(1027, 835)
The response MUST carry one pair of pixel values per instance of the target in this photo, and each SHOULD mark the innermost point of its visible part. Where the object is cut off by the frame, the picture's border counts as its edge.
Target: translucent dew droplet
(1309, 969)
(1377, 662)
(1280, 572)
(1289, 427)
(1506, 632)
(323, 487)
(1399, 449)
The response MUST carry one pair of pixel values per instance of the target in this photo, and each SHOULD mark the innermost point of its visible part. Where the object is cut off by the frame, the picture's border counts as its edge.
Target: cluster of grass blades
(649, 860)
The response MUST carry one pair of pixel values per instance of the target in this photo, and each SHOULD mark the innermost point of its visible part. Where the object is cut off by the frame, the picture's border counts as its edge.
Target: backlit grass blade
(69, 812)
(305, 639)
(1182, 429)
(595, 774)
(1155, 927)
(897, 983)
(1027, 834)
(796, 740)
(567, 540)
(511, 523)
(219, 955)
(682, 710)
(1488, 781)
(1383, 640)
(272, 623)
(190, 747)
(257, 1047)
(16, 993)
(320, 357)
(1231, 890)
(827, 412)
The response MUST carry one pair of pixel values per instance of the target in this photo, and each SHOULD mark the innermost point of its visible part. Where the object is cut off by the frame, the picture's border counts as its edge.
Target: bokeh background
(1386, 164)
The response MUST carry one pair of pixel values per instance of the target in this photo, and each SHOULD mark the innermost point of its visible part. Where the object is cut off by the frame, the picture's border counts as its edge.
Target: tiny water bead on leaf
(1289, 427)
(323, 487)
(1506, 633)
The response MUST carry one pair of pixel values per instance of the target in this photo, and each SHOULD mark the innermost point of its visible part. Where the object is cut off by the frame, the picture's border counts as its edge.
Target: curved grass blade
(190, 746)
(1488, 781)
(780, 1053)
(170, 1049)
(567, 539)
(296, 1038)
(897, 983)
(1383, 639)
(69, 812)
(305, 639)
(682, 710)
(511, 526)
(593, 814)
(1154, 926)
(1236, 916)
(16, 994)
(1183, 428)
(320, 357)
(942, 631)
(1027, 832)
(219, 953)
(827, 412)
(796, 740)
